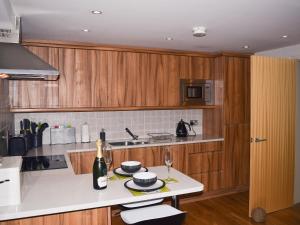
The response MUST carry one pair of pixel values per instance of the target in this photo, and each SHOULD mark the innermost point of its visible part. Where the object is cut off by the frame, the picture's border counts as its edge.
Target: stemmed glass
(168, 159)
(107, 154)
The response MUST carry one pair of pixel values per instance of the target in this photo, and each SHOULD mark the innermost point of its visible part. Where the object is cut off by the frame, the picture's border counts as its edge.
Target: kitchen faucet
(134, 137)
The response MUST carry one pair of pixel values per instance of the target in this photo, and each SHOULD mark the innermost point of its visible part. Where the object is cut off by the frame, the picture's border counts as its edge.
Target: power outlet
(194, 122)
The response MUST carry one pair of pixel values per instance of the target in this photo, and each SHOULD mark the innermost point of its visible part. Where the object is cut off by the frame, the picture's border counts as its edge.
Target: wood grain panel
(236, 90)
(99, 216)
(32, 94)
(202, 68)
(212, 180)
(236, 155)
(205, 147)
(272, 117)
(207, 162)
(75, 78)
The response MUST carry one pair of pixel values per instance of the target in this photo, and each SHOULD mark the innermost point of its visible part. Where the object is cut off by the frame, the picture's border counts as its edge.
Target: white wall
(139, 122)
(292, 52)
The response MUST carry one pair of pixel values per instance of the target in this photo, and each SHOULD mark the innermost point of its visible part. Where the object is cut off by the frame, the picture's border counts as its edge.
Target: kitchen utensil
(21, 127)
(37, 140)
(181, 130)
(33, 127)
(26, 124)
(120, 172)
(131, 166)
(144, 179)
(132, 186)
(43, 127)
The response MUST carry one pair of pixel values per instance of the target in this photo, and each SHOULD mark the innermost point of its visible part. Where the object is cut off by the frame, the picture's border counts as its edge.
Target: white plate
(132, 186)
(121, 172)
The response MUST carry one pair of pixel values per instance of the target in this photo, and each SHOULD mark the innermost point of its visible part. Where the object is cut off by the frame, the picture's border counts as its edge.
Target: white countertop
(81, 147)
(55, 191)
(64, 192)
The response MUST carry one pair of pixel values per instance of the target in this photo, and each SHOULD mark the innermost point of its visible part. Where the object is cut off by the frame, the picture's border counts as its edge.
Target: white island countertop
(56, 191)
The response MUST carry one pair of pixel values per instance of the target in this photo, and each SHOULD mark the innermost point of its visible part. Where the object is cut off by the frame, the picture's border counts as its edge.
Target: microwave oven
(200, 92)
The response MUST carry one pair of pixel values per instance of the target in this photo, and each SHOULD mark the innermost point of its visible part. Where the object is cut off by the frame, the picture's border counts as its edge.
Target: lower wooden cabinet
(206, 164)
(98, 216)
(202, 161)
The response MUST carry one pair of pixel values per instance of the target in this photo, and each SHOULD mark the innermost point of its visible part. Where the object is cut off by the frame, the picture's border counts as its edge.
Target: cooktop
(47, 162)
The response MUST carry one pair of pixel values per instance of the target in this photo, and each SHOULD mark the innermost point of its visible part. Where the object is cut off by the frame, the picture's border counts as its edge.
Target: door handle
(260, 139)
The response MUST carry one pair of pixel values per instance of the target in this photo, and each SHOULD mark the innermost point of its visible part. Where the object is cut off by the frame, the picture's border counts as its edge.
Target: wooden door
(273, 119)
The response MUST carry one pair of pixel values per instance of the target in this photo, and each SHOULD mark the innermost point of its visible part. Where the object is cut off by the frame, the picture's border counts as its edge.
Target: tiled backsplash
(114, 123)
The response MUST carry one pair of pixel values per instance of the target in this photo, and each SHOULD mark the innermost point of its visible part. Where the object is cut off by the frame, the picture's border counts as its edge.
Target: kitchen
(115, 87)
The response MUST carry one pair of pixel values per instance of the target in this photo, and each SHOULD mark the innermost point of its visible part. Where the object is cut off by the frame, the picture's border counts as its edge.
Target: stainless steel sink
(128, 143)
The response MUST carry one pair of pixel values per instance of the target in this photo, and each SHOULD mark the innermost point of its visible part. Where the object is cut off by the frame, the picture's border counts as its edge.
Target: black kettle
(181, 130)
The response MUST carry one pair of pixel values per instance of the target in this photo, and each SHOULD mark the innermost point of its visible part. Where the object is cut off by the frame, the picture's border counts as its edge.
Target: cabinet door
(162, 80)
(36, 94)
(202, 68)
(237, 90)
(151, 156)
(205, 164)
(237, 155)
(75, 78)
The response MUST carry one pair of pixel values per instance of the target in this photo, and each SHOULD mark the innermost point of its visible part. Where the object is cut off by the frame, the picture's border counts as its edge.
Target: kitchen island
(57, 192)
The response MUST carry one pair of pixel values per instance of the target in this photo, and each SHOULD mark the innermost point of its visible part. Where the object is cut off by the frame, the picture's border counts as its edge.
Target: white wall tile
(114, 123)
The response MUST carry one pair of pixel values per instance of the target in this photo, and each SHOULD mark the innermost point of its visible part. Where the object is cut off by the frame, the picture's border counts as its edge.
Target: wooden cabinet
(206, 164)
(36, 94)
(202, 161)
(100, 78)
(98, 216)
(82, 162)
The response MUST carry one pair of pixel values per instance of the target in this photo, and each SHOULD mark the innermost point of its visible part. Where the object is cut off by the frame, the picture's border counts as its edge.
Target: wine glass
(107, 154)
(168, 159)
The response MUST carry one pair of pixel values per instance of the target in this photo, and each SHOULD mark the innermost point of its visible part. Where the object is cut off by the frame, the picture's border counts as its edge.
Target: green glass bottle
(99, 168)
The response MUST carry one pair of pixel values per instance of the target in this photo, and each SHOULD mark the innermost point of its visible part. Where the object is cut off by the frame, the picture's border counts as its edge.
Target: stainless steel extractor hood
(18, 63)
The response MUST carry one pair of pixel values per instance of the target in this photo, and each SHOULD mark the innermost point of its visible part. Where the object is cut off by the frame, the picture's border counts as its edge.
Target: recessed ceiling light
(85, 30)
(284, 36)
(96, 12)
(246, 46)
(169, 38)
(3, 76)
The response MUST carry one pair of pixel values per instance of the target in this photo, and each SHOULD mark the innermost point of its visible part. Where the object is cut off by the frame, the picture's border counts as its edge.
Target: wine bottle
(99, 168)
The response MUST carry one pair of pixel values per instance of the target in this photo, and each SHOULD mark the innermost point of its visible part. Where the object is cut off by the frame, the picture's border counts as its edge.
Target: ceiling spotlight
(96, 12)
(199, 31)
(169, 38)
(85, 30)
(246, 46)
(284, 36)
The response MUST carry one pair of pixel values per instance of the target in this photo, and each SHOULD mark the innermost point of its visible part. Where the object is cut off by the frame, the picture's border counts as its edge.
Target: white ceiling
(292, 51)
(231, 24)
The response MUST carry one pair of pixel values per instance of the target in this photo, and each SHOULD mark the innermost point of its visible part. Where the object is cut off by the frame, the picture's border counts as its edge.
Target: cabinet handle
(260, 139)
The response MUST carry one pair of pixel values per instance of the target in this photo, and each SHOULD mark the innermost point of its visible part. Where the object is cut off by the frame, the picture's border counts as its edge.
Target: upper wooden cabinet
(99, 78)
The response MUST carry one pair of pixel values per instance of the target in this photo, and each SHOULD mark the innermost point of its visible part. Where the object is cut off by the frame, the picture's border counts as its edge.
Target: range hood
(18, 63)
